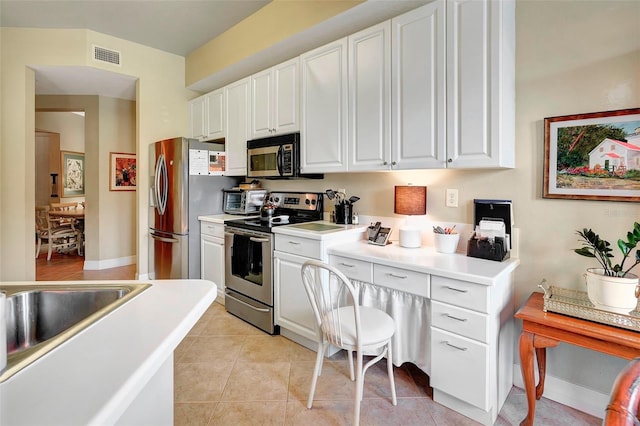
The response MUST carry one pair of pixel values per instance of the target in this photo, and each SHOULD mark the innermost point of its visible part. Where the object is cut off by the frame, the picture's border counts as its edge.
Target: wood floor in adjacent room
(69, 267)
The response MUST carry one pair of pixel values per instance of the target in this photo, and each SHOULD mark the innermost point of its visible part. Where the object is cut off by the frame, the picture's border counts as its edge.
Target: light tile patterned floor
(230, 373)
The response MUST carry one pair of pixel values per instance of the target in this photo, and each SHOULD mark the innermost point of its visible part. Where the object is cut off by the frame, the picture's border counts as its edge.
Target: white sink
(318, 227)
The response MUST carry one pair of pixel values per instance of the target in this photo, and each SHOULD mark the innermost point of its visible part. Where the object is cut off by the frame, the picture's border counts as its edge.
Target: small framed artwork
(122, 172)
(72, 166)
(593, 156)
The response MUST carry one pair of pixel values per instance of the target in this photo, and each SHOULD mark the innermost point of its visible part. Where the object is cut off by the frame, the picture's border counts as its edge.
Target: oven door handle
(251, 306)
(259, 240)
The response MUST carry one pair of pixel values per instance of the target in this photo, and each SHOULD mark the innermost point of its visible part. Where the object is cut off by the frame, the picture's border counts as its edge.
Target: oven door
(248, 264)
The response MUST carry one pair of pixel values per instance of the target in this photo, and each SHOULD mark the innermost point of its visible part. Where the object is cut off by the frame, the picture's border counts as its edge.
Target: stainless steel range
(249, 255)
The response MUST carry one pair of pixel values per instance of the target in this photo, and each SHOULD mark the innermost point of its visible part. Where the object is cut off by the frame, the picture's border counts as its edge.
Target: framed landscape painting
(594, 156)
(122, 172)
(72, 165)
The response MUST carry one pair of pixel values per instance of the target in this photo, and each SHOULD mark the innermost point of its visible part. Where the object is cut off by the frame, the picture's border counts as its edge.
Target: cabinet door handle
(460, 348)
(346, 265)
(455, 318)
(457, 289)
(396, 276)
(294, 243)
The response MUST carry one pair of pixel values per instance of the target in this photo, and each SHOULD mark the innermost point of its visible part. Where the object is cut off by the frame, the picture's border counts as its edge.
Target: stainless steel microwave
(274, 157)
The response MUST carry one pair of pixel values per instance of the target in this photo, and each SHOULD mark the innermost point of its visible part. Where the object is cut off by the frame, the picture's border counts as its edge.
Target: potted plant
(612, 287)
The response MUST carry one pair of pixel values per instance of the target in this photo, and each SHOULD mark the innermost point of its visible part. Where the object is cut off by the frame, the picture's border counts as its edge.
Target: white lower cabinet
(292, 308)
(212, 254)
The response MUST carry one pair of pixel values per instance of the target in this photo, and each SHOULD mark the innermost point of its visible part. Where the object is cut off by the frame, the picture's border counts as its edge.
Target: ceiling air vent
(106, 55)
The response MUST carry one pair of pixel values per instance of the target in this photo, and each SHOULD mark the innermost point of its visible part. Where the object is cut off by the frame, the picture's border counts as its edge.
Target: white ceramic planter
(613, 294)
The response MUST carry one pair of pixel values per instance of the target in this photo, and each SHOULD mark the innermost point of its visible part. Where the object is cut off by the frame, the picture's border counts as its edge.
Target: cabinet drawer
(355, 269)
(460, 293)
(212, 229)
(299, 246)
(401, 279)
(460, 321)
(459, 367)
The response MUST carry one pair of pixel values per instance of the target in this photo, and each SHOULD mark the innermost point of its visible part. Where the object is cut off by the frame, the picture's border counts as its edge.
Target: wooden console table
(541, 330)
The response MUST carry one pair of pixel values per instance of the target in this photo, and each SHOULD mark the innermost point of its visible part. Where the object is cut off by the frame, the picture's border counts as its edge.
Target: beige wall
(160, 110)
(272, 24)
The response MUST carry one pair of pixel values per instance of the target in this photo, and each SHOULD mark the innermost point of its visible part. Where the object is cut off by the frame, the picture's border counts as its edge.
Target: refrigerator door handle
(161, 184)
(164, 239)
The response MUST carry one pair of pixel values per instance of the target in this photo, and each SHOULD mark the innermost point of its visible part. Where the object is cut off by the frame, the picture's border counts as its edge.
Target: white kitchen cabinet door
(324, 100)
(238, 104)
(369, 121)
(214, 115)
(262, 104)
(286, 89)
(418, 88)
(292, 309)
(275, 100)
(480, 83)
(212, 261)
(197, 108)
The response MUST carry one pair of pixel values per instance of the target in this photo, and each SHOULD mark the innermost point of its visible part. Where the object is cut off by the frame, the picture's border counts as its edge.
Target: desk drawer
(471, 324)
(212, 229)
(299, 246)
(460, 368)
(402, 279)
(460, 293)
(355, 269)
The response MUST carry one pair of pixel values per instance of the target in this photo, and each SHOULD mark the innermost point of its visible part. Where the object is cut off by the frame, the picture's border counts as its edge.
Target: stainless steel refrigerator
(182, 190)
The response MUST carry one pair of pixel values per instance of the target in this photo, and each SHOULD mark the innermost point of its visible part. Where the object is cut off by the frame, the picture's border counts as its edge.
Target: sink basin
(41, 317)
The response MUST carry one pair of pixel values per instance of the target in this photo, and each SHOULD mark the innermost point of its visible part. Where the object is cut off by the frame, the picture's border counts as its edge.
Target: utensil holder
(343, 214)
(446, 243)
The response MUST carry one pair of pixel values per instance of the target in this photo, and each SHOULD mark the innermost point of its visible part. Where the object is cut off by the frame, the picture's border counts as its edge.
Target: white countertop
(426, 259)
(92, 377)
(336, 231)
(220, 218)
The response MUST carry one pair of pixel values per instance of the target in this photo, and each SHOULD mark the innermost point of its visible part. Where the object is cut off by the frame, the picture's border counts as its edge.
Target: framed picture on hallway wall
(72, 173)
(122, 172)
(593, 156)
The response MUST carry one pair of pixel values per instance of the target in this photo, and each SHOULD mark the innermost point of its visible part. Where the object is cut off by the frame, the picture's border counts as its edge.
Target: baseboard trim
(575, 396)
(97, 265)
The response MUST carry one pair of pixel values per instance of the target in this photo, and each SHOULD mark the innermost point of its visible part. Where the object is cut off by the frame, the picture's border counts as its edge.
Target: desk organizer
(576, 303)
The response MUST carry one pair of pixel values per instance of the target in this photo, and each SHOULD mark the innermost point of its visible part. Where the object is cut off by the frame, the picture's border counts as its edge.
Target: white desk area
(454, 318)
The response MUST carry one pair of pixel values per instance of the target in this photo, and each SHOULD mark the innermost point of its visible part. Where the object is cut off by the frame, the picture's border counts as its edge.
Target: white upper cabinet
(276, 105)
(215, 115)
(369, 122)
(324, 73)
(480, 84)
(238, 112)
(419, 88)
(196, 116)
(207, 116)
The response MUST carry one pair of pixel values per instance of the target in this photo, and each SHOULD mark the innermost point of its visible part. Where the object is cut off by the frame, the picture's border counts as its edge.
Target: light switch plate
(452, 198)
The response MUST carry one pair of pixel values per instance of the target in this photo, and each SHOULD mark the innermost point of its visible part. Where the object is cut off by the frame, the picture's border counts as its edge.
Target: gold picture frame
(122, 172)
(72, 166)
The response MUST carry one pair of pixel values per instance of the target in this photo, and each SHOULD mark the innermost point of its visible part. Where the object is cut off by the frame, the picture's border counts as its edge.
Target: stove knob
(307, 201)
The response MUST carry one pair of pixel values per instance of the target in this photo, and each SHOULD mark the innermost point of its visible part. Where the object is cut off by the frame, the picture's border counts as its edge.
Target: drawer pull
(294, 243)
(397, 276)
(457, 289)
(346, 265)
(460, 348)
(455, 318)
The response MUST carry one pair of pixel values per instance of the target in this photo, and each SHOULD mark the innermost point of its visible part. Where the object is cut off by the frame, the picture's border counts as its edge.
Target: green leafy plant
(596, 247)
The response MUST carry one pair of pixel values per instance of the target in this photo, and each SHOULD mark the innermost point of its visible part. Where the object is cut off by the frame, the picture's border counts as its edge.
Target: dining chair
(342, 322)
(60, 236)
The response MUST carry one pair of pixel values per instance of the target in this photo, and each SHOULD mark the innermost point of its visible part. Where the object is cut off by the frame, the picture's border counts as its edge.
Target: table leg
(541, 356)
(526, 364)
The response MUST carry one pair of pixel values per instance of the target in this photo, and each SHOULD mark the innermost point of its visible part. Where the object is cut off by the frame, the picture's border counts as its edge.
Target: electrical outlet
(344, 191)
(452, 198)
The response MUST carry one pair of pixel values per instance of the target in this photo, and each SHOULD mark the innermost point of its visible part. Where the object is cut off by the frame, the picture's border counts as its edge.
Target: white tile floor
(230, 373)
